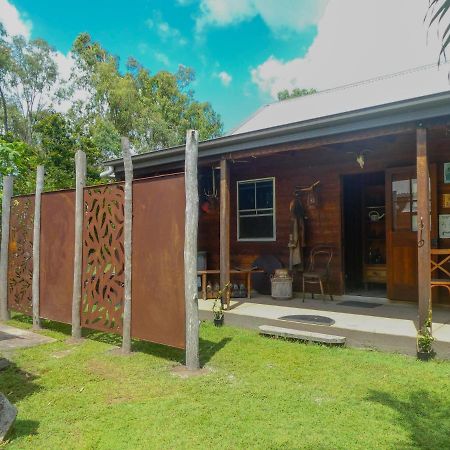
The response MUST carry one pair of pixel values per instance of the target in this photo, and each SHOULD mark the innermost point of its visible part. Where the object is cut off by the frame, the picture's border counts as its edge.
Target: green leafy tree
(437, 15)
(297, 92)
(153, 110)
(18, 159)
(59, 141)
(33, 74)
(5, 67)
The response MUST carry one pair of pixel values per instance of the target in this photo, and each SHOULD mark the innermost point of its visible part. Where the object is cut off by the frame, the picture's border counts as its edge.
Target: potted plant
(218, 311)
(425, 342)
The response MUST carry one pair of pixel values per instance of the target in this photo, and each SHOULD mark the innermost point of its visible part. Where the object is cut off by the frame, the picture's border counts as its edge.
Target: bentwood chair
(440, 268)
(319, 269)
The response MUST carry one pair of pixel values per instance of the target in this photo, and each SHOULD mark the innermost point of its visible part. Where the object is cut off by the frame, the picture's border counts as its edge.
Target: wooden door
(401, 230)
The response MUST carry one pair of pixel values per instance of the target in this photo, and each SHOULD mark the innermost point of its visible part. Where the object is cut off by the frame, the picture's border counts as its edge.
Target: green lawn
(259, 393)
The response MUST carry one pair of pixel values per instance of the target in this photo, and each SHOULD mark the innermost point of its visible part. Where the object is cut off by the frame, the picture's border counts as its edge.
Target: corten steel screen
(158, 313)
(20, 259)
(103, 258)
(57, 253)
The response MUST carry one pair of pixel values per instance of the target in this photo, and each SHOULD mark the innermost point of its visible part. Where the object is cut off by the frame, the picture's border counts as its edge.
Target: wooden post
(423, 221)
(37, 246)
(225, 228)
(190, 252)
(6, 213)
(127, 229)
(80, 183)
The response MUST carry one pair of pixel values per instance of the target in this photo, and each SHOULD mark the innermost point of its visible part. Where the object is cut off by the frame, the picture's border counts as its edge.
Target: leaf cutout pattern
(103, 258)
(20, 261)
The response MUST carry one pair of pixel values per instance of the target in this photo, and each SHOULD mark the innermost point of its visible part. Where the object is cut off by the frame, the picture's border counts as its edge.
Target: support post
(225, 229)
(8, 182)
(80, 183)
(190, 252)
(37, 247)
(423, 216)
(127, 230)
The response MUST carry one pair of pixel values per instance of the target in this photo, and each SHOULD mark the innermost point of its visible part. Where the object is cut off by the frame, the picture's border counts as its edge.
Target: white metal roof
(409, 84)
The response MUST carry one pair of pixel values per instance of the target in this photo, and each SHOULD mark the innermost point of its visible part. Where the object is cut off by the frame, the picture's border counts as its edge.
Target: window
(404, 203)
(256, 210)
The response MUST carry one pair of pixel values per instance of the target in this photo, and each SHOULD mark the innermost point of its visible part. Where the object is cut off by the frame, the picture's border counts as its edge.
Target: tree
(297, 92)
(18, 159)
(33, 74)
(153, 110)
(5, 67)
(59, 140)
(437, 12)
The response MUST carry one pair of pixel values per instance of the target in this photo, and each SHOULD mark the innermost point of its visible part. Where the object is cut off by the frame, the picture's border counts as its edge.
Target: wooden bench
(247, 272)
(300, 335)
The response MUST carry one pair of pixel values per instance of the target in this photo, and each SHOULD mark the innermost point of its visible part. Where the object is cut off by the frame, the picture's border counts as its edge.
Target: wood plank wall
(303, 168)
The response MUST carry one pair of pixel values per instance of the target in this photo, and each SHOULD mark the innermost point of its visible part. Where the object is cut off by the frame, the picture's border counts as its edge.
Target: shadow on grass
(17, 384)
(207, 348)
(424, 416)
(23, 428)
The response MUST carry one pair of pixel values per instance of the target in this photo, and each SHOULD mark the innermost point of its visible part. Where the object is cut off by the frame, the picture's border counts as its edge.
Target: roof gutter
(405, 111)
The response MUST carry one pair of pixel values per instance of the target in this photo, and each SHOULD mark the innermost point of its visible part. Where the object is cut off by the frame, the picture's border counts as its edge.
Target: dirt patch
(184, 372)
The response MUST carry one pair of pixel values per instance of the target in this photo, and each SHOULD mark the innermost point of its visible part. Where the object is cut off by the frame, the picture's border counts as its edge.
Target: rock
(8, 415)
(4, 363)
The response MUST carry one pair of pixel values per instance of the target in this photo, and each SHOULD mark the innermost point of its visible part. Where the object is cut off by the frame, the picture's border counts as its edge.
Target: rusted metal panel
(57, 253)
(103, 258)
(158, 313)
(20, 261)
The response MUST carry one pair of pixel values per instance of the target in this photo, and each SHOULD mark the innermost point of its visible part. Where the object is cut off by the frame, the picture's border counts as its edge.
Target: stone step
(301, 335)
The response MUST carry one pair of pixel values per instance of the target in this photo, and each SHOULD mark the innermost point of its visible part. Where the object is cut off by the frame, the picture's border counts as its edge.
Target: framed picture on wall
(447, 173)
(444, 226)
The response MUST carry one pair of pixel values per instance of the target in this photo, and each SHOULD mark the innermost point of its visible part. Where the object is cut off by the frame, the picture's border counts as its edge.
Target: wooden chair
(319, 269)
(441, 258)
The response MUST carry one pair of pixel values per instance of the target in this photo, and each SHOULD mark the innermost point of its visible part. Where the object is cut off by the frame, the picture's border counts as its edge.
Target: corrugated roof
(409, 84)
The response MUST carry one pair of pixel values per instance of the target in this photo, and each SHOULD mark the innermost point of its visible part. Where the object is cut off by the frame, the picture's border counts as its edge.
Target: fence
(158, 304)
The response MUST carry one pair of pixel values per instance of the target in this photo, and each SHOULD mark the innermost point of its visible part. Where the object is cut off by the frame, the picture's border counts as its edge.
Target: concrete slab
(12, 338)
(269, 330)
(392, 326)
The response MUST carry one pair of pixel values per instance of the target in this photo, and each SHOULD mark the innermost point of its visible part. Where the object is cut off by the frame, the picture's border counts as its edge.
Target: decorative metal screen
(20, 270)
(103, 258)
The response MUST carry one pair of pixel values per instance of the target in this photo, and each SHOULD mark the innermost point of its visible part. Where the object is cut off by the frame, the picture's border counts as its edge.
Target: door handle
(420, 228)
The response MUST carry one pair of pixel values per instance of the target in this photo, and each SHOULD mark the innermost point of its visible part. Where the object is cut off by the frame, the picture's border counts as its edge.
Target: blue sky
(135, 30)
(243, 51)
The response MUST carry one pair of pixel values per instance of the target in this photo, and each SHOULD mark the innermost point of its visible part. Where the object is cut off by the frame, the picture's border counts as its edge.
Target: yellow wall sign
(446, 200)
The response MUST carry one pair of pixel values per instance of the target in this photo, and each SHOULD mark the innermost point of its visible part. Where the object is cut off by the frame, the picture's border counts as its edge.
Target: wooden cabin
(381, 169)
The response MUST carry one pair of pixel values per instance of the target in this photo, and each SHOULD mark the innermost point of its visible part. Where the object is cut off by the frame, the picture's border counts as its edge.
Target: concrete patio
(12, 338)
(371, 322)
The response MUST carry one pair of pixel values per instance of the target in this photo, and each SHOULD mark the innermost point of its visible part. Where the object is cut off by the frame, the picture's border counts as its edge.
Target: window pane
(264, 194)
(256, 227)
(246, 196)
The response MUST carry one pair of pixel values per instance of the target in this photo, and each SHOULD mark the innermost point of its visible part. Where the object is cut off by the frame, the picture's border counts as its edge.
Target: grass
(259, 393)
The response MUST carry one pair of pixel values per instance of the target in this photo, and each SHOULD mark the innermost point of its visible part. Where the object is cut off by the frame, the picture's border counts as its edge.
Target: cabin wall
(324, 224)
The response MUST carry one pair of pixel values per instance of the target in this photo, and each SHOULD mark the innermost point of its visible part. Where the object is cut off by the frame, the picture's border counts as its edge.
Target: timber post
(423, 221)
(8, 182)
(40, 171)
(190, 251)
(225, 229)
(80, 169)
(127, 242)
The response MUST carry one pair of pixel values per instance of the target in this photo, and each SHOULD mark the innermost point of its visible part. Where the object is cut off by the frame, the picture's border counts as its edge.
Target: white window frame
(271, 239)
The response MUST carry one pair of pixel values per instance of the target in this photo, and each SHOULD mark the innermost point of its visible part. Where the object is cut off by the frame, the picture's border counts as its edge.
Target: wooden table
(247, 272)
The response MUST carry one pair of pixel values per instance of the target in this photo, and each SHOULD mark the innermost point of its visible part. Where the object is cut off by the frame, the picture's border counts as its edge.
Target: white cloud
(356, 40)
(14, 22)
(224, 77)
(162, 58)
(278, 15)
(164, 30)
